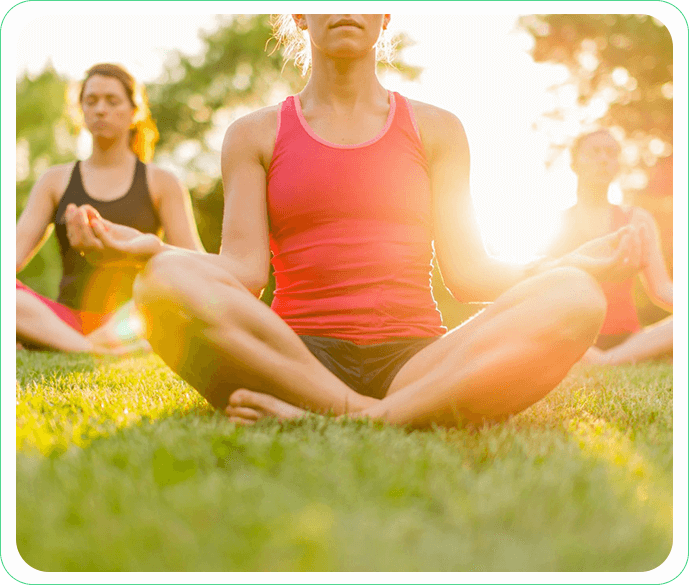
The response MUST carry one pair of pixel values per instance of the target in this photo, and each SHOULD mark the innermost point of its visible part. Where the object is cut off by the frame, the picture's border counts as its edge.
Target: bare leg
(120, 334)
(504, 360)
(247, 406)
(37, 324)
(215, 334)
(651, 342)
(500, 362)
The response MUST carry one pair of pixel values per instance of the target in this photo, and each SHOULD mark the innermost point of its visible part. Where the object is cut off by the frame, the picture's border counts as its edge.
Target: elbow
(470, 291)
(255, 285)
(662, 297)
(253, 278)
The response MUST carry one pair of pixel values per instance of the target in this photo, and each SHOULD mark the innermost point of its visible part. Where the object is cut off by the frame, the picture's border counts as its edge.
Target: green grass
(122, 467)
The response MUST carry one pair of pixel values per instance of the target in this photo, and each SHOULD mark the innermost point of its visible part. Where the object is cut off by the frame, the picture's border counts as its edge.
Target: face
(108, 113)
(343, 35)
(598, 158)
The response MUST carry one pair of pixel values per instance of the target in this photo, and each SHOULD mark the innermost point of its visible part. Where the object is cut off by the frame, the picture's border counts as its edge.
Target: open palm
(614, 257)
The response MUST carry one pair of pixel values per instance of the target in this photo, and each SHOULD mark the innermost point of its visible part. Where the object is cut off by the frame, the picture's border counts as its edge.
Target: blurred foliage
(239, 70)
(43, 140)
(620, 66)
(196, 97)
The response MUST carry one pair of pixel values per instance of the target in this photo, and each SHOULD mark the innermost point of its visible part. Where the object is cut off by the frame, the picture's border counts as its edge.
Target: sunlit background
(519, 114)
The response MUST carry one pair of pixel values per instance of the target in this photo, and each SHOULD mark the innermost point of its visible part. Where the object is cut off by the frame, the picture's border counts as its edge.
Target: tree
(620, 71)
(238, 70)
(620, 68)
(43, 139)
(197, 97)
(192, 103)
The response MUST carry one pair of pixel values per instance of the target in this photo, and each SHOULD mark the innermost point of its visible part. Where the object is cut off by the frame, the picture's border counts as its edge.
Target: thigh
(217, 336)
(31, 300)
(544, 308)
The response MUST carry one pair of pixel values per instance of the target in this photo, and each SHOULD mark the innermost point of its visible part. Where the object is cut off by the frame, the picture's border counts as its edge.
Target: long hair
(143, 134)
(295, 43)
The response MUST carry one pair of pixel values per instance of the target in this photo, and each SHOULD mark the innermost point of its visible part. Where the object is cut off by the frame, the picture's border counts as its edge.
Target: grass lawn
(122, 467)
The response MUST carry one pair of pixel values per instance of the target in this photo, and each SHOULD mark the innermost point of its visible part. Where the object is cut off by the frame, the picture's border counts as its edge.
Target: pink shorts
(82, 321)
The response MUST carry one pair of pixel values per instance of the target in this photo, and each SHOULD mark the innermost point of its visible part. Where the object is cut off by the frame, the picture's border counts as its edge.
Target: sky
(475, 65)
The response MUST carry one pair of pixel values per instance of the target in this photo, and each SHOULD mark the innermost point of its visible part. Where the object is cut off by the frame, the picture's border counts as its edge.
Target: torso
(581, 226)
(128, 202)
(352, 236)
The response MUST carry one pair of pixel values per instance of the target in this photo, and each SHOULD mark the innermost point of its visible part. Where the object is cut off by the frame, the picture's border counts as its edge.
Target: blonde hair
(144, 133)
(295, 43)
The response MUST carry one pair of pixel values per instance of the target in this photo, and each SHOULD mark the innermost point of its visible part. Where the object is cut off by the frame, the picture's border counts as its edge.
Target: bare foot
(119, 349)
(247, 406)
(19, 346)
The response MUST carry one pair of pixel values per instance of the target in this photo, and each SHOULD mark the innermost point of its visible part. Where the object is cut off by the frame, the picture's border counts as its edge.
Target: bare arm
(34, 222)
(654, 277)
(245, 152)
(245, 250)
(469, 272)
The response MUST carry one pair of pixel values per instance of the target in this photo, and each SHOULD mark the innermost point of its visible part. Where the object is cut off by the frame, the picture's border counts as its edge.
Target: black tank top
(101, 289)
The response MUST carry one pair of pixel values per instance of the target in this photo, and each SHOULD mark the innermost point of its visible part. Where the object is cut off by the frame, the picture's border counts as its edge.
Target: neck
(343, 82)
(110, 153)
(593, 195)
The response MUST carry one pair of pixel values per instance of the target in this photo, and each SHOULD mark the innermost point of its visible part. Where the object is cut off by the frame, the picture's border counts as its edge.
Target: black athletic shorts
(366, 369)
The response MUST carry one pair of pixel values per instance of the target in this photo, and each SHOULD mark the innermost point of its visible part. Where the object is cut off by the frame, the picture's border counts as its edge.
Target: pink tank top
(622, 315)
(351, 231)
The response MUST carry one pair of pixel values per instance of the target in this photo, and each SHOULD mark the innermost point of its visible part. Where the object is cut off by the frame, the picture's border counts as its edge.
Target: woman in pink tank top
(595, 160)
(350, 190)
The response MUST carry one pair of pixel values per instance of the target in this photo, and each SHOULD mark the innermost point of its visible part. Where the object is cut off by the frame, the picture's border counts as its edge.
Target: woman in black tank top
(116, 183)
(204, 321)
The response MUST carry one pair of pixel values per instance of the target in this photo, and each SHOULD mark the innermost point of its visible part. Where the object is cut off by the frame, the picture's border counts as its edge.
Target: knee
(161, 278)
(581, 301)
(184, 286)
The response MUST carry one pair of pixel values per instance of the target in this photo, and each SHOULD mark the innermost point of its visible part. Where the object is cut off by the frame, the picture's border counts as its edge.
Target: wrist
(539, 266)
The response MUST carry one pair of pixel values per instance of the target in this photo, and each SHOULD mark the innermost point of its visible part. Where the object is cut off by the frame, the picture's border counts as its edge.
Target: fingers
(78, 227)
(628, 255)
(101, 231)
(630, 248)
(91, 212)
(646, 244)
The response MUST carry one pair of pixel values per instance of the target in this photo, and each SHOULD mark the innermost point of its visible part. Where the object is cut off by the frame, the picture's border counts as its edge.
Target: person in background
(93, 311)
(351, 189)
(622, 340)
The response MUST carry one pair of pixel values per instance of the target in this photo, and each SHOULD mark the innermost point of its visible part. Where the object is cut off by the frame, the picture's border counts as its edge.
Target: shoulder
(162, 183)
(440, 129)
(55, 180)
(252, 134)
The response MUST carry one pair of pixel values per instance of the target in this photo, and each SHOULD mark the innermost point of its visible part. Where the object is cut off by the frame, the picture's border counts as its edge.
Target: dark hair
(144, 134)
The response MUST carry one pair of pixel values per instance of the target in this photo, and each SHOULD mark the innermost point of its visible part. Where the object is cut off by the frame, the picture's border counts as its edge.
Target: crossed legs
(651, 342)
(217, 336)
(228, 345)
(38, 325)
